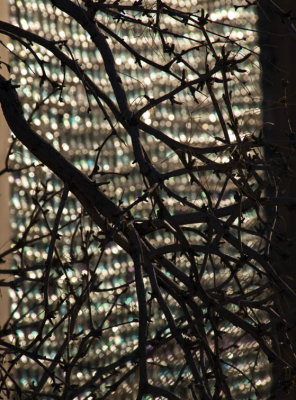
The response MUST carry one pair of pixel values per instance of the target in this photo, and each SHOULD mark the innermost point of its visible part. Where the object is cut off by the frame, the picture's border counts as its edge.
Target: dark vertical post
(278, 61)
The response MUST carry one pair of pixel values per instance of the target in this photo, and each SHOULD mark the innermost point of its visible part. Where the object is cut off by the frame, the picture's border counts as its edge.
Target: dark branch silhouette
(158, 277)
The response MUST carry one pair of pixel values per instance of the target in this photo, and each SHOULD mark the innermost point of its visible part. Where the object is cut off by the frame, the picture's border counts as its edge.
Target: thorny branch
(191, 240)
